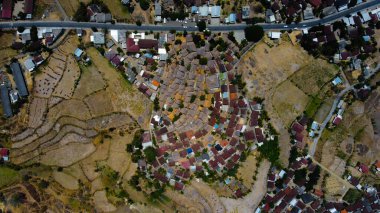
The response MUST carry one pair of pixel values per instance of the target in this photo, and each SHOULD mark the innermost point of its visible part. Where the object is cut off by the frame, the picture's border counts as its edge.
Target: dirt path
(343, 181)
(251, 201)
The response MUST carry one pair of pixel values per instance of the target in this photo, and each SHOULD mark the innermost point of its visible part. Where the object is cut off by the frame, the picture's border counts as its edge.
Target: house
(4, 154)
(194, 10)
(79, 32)
(274, 35)
(377, 165)
(341, 5)
(329, 10)
(78, 53)
(103, 17)
(28, 8)
(97, 38)
(231, 18)
(269, 16)
(19, 79)
(308, 13)
(13, 94)
(5, 101)
(6, 10)
(314, 126)
(163, 54)
(337, 81)
(215, 11)
(148, 44)
(157, 11)
(131, 75)
(337, 120)
(146, 140)
(29, 64)
(38, 59)
(24, 36)
(245, 12)
(203, 11)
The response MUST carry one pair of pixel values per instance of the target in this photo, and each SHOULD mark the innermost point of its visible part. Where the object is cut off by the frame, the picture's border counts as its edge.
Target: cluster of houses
(96, 14)
(12, 94)
(338, 116)
(286, 194)
(48, 35)
(298, 130)
(213, 112)
(8, 10)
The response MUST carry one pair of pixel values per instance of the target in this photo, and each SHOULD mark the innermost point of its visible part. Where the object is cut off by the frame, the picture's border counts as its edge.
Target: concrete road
(220, 28)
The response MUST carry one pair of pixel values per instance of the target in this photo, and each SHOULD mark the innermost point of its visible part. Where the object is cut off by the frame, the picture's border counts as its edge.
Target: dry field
(289, 102)
(247, 170)
(71, 75)
(313, 76)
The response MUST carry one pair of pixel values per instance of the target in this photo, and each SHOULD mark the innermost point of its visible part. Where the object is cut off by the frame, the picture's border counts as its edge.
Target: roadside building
(269, 16)
(19, 79)
(97, 38)
(5, 101)
(6, 10)
(245, 12)
(28, 8)
(29, 64)
(157, 11)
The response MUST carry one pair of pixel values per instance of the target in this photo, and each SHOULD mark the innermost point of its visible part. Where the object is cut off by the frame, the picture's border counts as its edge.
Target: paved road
(235, 27)
(332, 110)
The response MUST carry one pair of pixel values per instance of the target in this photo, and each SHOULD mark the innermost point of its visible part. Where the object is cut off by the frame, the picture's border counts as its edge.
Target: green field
(8, 176)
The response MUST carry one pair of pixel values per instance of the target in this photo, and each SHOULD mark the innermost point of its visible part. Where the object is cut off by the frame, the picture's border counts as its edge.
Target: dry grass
(71, 75)
(90, 82)
(71, 6)
(247, 170)
(37, 110)
(67, 155)
(65, 180)
(118, 10)
(289, 102)
(313, 76)
(121, 92)
(98, 103)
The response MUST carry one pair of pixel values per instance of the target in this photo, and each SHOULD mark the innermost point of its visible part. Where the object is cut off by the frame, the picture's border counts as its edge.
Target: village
(202, 125)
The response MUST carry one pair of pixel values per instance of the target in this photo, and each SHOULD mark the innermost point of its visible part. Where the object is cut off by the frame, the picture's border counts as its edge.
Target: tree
(17, 199)
(270, 150)
(21, 15)
(203, 61)
(313, 178)
(138, 23)
(81, 14)
(34, 33)
(150, 154)
(144, 4)
(156, 104)
(254, 33)
(201, 26)
(20, 29)
(43, 184)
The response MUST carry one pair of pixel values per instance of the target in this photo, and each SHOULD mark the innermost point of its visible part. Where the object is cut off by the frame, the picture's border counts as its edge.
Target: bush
(201, 26)
(254, 33)
(144, 4)
(150, 154)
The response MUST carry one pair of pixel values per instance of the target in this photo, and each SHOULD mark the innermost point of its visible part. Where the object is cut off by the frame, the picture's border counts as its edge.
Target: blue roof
(148, 55)
(337, 81)
(203, 10)
(5, 101)
(215, 11)
(194, 9)
(189, 150)
(232, 18)
(78, 52)
(18, 77)
(366, 38)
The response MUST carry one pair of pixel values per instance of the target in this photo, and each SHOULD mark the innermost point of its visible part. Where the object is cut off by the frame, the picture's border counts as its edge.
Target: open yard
(8, 176)
(289, 102)
(247, 170)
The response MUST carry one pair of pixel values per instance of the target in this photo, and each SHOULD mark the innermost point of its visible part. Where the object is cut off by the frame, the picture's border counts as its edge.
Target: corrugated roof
(7, 9)
(18, 77)
(5, 101)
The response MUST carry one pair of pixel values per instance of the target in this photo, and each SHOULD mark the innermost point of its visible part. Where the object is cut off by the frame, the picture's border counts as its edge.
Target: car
(304, 25)
(286, 26)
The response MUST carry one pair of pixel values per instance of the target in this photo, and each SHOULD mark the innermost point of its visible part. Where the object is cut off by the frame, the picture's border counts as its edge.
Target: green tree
(81, 14)
(144, 4)
(254, 33)
(201, 26)
(138, 23)
(203, 61)
(17, 199)
(150, 154)
(156, 104)
(34, 33)
(271, 150)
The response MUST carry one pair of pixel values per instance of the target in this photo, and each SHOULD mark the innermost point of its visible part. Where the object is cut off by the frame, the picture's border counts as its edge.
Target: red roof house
(132, 47)
(28, 8)
(6, 12)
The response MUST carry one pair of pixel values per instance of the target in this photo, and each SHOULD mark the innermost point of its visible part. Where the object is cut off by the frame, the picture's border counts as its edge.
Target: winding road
(235, 27)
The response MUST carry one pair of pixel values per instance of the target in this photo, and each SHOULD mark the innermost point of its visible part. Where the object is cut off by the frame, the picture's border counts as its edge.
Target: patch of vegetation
(144, 4)
(313, 106)
(352, 195)
(271, 151)
(192, 99)
(150, 154)
(254, 33)
(313, 178)
(201, 25)
(8, 176)
(81, 14)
